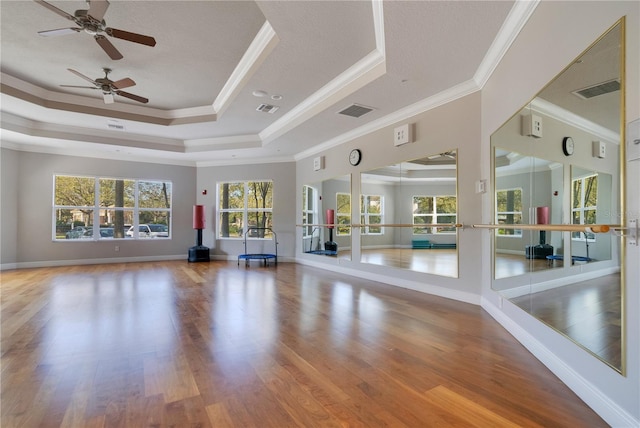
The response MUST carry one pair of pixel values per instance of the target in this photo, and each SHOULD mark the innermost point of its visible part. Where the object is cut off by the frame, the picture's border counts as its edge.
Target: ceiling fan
(91, 22)
(108, 86)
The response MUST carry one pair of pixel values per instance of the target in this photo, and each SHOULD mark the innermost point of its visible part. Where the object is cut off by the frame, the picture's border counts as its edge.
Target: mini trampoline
(265, 257)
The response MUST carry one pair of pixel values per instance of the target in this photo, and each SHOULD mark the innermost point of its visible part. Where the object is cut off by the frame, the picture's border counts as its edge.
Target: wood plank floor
(174, 344)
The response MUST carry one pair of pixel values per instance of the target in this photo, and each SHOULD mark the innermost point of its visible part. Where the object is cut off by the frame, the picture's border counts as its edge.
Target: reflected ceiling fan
(108, 87)
(90, 21)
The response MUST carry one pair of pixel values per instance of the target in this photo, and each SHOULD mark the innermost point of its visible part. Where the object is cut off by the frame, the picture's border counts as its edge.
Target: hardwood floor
(437, 262)
(216, 345)
(589, 312)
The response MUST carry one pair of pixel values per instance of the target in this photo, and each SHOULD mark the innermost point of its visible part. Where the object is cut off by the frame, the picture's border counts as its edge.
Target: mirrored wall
(327, 203)
(415, 202)
(558, 162)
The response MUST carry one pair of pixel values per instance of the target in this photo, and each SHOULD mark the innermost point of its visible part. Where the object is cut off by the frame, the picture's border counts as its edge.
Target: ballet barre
(589, 228)
(456, 225)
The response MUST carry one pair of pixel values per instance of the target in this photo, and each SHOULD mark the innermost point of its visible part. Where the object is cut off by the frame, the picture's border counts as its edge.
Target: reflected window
(584, 197)
(343, 214)
(434, 209)
(309, 210)
(372, 212)
(509, 210)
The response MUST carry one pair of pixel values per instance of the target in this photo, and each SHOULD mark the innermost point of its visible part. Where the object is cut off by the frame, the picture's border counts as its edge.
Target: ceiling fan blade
(132, 37)
(77, 73)
(59, 32)
(108, 98)
(97, 9)
(133, 97)
(108, 47)
(123, 83)
(80, 87)
(55, 10)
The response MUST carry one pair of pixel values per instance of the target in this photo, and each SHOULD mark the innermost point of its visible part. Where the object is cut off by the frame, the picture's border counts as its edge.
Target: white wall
(284, 197)
(32, 174)
(8, 207)
(558, 32)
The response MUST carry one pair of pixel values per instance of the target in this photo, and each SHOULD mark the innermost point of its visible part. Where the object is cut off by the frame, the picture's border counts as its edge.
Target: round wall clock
(355, 156)
(567, 146)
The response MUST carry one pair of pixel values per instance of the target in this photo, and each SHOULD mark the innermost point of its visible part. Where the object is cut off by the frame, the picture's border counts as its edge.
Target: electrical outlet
(117, 248)
(403, 134)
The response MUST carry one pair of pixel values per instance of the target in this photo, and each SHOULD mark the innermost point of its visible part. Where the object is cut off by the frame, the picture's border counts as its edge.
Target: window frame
(245, 211)
(365, 214)
(434, 214)
(99, 211)
(346, 218)
(581, 209)
(517, 233)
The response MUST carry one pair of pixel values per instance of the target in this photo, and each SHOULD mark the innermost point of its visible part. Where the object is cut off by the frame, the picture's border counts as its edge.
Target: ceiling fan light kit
(108, 87)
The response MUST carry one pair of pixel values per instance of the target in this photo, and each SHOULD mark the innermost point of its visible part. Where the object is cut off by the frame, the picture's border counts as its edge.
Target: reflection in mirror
(591, 202)
(568, 280)
(327, 202)
(528, 191)
(409, 196)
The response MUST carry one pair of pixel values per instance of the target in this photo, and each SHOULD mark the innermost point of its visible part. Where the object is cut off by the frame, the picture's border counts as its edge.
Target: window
(371, 213)
(584, 201)
(343, 214)
(309, 211)
(116, 205)
(434, 209)
(509, 210)
(245, 207)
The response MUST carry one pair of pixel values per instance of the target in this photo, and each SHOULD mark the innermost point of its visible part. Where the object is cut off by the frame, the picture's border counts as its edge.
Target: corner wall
(455, 125)
(559, 32)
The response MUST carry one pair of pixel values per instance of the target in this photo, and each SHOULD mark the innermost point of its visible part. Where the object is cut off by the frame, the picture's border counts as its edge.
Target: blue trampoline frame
(265, 257)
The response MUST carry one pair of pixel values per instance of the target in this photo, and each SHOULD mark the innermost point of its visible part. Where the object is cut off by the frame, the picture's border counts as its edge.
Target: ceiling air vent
(599, 89)
(267, 108)
(355, 110)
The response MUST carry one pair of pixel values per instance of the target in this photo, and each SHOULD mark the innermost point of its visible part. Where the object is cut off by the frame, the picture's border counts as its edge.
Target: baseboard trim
(607, 409)
(77, 262)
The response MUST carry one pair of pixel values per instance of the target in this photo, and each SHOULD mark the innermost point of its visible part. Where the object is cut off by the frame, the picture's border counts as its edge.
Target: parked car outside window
(77, 232)
(105, 232)
(150, 231)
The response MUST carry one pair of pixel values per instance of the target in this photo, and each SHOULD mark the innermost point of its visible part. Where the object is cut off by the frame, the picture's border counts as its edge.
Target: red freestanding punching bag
(330, 218)
(199, 253)
(542, 215)
(198, 217)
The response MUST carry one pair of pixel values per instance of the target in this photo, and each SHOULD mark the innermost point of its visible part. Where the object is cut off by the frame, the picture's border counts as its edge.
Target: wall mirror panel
(558, 162)
(406, 198)
(323, 203)
(528, 190)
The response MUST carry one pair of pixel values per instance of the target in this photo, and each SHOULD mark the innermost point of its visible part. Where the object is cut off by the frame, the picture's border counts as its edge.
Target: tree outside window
(584, 203)
(115, 205)
(343, 214)
(245, 206)
(371, 213)
(434, 210)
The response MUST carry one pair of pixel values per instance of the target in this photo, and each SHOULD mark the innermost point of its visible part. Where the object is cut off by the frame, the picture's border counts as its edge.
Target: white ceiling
(321, 56)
